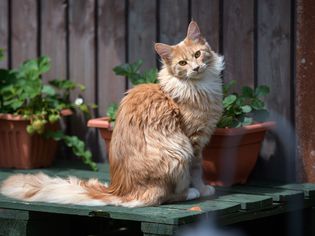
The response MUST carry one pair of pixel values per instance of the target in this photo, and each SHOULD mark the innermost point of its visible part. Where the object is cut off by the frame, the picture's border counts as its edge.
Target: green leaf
(247, 92)
(229, 100)
(111, 111)
(1, 54)
(262, 91)
(228, 86)
(49, 90)
(246, 109)
(43, 64)
(150, 76)
(258, 104)
(225, 121)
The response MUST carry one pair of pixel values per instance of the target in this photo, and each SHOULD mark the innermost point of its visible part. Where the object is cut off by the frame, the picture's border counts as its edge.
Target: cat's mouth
(197, 75)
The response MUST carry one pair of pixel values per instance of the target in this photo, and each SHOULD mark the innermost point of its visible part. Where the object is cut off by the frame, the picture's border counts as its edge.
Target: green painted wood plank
(277, 194)
(278, 208)
(206, 206)
(160, 229)
(249, 202)
(307, 188)
(14, 214)
(146, 214)
(151, 214)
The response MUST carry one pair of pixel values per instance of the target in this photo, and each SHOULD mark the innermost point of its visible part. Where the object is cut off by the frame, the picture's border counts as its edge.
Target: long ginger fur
(157, 142)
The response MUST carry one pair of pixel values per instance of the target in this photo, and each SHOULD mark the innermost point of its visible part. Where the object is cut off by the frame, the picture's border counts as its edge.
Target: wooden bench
(229, 206)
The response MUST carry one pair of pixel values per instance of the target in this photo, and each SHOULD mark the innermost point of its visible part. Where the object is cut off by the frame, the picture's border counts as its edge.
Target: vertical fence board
(273, 53)
(53, 37)
(273, 69)
(206, 14)
(142, 32)
(24, 30)
(4, 31)
(82, 60)
(111, 52)
(173, 21)
(238, 41)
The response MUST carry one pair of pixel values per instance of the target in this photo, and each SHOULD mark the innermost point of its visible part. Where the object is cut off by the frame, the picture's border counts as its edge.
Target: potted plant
(30, 112)
(234, 147)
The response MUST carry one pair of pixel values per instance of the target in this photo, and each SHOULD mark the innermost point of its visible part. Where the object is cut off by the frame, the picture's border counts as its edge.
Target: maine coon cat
(157, 142)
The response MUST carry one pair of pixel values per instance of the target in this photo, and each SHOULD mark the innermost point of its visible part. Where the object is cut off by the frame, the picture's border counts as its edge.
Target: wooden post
(305, 89)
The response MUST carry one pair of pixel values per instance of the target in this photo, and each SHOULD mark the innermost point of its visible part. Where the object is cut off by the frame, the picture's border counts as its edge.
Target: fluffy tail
(72, 190)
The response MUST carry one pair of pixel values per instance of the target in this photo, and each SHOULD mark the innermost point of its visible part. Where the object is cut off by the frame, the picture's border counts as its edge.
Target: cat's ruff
(156, 147)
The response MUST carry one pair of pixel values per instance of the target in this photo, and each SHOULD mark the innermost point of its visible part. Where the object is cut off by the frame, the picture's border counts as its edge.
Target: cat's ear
(163, 50)
(193, 31)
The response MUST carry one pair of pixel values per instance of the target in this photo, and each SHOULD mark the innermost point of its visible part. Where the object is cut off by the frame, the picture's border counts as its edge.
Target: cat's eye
(197, 54)
(182, 63)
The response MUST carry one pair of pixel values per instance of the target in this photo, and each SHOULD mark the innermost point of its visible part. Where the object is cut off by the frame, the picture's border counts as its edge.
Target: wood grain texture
(238, 41)
(274, 54)
(82, 62)
(274, 58)
(4, 31)
(111, 52)
(142, 32)
(53, 37)
(206, 14)
(24, 31)
(173, 21)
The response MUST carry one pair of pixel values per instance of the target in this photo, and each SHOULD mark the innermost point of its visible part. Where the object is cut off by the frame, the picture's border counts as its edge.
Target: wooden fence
(86, 38)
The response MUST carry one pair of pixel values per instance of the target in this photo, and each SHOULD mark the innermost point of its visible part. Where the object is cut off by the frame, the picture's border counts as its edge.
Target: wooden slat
(249, 202)
(142, 32)
(238, 41)
(278, 195)
(111, 52)
(24, 30)
(82, 61)
(274, 69)
(204, 206)
(4, 31)
(206, 14)
(111, 47)
(307, 188)
(274, 54)
(173, 21)
(53, 37)
(153, 228)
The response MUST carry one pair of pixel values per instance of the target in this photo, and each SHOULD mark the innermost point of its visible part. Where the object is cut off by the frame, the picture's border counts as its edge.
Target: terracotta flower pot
(228, 159)
(232, 153)
(22, 150)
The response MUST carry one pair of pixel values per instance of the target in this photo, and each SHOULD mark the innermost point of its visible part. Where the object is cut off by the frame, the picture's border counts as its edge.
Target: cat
(156, 149)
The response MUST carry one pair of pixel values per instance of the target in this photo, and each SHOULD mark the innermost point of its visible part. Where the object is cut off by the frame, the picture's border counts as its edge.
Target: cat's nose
(196, 69)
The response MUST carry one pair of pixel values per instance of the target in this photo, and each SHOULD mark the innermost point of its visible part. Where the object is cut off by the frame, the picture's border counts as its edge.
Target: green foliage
(1, 54)
(111, 112)
(244, 108)
(132, 72)
(23, 92)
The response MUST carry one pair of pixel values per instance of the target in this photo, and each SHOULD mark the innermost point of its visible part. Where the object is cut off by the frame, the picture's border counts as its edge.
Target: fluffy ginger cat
(156, 149)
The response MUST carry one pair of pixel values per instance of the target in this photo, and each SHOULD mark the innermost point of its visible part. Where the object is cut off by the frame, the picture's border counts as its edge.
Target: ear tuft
(193, 31)
(163, 50)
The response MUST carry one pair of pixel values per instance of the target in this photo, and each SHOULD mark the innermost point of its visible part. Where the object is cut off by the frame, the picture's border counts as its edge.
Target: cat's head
(190, 58)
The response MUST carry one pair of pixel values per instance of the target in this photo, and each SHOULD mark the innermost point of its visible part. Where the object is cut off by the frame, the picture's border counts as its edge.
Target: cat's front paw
(192, 193)
(207, 191)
